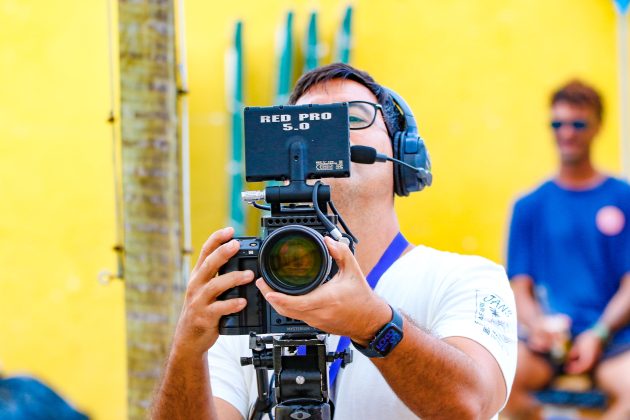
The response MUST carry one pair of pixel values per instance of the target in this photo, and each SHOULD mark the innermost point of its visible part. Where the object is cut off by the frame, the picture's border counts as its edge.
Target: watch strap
(386, 339)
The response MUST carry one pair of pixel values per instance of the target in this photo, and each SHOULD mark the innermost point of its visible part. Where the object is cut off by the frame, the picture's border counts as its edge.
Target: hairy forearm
(617, 312)
(433, 378)
(185, 391)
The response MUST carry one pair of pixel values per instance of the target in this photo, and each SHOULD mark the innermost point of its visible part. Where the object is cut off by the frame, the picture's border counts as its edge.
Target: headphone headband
(411, 126)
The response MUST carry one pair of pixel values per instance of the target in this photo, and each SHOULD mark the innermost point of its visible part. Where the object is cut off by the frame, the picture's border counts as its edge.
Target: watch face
(388, 339)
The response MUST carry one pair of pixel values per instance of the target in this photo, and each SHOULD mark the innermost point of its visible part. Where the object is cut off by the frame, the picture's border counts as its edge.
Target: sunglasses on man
(577, 125)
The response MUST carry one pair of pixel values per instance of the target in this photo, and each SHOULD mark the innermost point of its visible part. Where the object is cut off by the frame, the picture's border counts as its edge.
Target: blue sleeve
(520, 242)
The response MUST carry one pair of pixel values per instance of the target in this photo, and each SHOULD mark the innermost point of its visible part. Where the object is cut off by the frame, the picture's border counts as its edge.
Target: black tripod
(300, 388)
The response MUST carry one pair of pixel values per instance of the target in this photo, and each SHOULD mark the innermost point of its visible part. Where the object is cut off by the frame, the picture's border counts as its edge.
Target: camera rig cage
(295, 144)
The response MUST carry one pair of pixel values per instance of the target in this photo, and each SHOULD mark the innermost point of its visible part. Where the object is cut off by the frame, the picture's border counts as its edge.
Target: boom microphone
(368, 155)
(363, 154)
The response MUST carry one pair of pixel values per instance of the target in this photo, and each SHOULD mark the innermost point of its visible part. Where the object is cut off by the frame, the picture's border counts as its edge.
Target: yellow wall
(477, 75)
(56, 207)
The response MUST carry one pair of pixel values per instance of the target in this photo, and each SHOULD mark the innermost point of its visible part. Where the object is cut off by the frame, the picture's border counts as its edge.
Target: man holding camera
(454, 351)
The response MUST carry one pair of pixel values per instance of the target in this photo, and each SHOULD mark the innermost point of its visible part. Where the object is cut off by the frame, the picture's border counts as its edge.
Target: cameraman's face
(373, 179)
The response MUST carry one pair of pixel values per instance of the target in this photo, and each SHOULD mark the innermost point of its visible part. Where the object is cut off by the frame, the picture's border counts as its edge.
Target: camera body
(289, 143)
(258, 316)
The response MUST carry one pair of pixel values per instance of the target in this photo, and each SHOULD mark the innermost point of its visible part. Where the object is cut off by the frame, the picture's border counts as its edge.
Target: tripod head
(300, 388)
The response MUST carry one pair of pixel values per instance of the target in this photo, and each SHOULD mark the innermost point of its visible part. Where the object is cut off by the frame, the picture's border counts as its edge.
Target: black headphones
(409, 147)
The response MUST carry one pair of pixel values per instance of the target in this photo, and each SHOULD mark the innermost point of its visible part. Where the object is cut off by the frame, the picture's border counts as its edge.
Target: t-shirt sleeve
(519, 242)
(227, 376)
(476, 302)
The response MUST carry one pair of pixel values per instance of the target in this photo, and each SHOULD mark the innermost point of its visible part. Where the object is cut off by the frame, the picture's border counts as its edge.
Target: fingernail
(242, 302)
(227, 229)
(248, 274)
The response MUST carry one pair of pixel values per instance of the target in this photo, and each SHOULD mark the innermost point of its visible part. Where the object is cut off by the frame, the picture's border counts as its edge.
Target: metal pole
(624, 105)
(624, 110)
(184, 130)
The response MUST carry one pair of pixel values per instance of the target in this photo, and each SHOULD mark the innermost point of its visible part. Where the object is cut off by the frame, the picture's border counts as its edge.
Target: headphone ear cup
(408, 147)
(423, 161)
(396, 146)
(412, 151)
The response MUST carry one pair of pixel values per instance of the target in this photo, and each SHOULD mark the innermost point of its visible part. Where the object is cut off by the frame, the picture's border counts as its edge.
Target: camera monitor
(321, 131)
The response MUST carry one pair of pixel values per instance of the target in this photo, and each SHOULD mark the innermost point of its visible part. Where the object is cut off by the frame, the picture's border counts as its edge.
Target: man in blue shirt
(569, 265)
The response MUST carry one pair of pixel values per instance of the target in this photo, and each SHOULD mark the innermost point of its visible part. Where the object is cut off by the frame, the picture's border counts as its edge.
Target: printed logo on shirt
(610, 220)
(494, 316)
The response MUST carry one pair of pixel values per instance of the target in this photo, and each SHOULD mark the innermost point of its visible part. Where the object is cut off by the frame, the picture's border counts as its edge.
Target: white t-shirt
(445, 293)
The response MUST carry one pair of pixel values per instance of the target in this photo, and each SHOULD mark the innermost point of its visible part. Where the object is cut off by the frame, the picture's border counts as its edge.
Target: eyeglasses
(362, 114)
(578, 125)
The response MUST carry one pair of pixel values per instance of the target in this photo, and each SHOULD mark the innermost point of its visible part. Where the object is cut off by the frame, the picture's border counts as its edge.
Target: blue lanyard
(391, 254)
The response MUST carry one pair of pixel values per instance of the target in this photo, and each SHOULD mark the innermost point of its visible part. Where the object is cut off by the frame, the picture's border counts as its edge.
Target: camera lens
(294, 259)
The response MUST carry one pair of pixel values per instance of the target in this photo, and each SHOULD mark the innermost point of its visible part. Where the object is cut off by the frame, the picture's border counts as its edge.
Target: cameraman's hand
(198, 326)
(346, 305)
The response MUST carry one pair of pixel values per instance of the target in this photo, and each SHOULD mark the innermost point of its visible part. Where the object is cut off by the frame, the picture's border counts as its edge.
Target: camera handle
(301, 386)
(297, 190)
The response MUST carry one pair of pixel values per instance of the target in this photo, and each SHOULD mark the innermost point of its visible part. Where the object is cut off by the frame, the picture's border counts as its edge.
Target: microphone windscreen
(362, 154)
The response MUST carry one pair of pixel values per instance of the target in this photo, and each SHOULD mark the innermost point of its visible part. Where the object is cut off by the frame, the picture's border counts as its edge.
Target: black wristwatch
(386, 338)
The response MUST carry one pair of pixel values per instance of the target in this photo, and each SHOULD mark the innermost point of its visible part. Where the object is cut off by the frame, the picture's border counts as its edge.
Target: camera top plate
(319, 132)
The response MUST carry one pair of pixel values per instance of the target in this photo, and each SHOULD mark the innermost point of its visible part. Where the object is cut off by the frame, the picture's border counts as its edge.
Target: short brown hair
(578, 93)
(394, 121)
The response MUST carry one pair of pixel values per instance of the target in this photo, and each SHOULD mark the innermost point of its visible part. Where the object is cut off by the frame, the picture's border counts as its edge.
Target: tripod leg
(263, 403)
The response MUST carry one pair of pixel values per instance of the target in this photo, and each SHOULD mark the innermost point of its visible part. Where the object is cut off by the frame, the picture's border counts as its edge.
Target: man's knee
(613, 376)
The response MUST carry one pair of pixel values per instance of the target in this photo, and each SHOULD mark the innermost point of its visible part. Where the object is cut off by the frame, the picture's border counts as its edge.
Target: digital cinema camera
(291, 144)
(294, 144)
